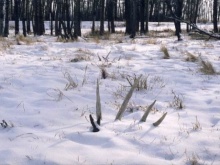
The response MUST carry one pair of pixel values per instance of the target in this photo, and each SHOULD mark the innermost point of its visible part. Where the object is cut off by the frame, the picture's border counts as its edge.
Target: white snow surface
(48, 119)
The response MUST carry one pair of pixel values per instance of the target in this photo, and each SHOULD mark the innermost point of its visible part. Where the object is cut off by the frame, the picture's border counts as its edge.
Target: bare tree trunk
(147, 16)
(1, 18)
(17, 16)
(127, 16)
(142, 15)
(215, 17)
(28, 13)
(176, 14)
(110, 13)
(133, 18)
(6, 31)
(51, 17)
(24, 18)
(38, 17)
(102, 13)
(77, 19)
(94, 12)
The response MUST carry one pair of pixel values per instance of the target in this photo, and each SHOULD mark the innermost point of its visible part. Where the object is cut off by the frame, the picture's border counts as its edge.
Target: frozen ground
(48, 119)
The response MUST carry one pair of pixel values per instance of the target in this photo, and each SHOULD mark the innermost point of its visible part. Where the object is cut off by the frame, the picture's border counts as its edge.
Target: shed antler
(144, 117)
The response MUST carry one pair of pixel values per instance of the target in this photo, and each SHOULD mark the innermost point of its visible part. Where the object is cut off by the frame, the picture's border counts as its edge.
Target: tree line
(65, 16)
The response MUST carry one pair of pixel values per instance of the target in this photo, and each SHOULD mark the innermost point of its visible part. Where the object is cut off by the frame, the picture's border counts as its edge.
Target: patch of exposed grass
(198, 36)
(80, 57)
(21, 40)
(152, 41)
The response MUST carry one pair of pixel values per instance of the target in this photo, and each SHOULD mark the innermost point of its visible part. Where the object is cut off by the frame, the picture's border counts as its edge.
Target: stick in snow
(126, 100)
(144, 117)
(157, 123)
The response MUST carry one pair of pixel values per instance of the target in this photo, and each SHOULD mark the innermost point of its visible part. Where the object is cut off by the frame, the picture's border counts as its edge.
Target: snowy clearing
(48, 117)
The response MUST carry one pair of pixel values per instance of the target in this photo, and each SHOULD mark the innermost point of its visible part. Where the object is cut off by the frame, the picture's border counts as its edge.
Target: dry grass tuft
(177, 102)
(21, 40)
(193, 160)
(207, 68)
(82, 55)
(2, 39)
(164, 49)
(196, 125)
(4, 43)
(191, 57)
(152, 41)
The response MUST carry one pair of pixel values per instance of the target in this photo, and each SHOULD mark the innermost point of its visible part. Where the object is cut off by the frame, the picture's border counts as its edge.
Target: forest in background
(65, 16)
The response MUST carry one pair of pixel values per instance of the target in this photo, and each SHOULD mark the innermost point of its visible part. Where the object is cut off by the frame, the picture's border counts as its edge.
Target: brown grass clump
(21, 40)
(191, 57)
(207, 68)
(151, 41)
(165, 52)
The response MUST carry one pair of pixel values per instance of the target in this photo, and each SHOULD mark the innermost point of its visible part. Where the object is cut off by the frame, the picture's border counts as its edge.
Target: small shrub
(142, 83)
(21, 40)
(177, 102)
(165, 52)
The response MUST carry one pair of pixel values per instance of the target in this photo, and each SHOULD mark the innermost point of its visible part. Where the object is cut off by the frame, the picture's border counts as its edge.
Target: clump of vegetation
(2, 39)
(4, 43)
(80, 57)
(193, 160)
(196, 125)
(198, 36)
(165, 51)
(97, 37)
(191, 57)
(177, 102)
(141, 84)
(152, 41)
(21, 40)
(71, 83)
(104, 73)
(207, 68)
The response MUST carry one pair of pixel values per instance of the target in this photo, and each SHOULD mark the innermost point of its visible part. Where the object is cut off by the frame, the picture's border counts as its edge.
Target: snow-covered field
(48, 118)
